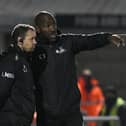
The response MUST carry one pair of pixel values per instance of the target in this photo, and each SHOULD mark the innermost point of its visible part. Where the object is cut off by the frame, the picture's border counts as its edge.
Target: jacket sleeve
(7, 76)
(81, 42)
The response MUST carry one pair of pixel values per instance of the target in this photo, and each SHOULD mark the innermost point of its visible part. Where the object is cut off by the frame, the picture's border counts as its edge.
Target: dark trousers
(71, 120)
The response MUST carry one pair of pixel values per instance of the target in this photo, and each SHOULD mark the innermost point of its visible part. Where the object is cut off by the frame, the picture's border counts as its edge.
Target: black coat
(57, 93)
(17, 102)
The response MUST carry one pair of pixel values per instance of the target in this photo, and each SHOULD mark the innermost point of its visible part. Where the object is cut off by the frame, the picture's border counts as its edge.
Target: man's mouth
(53, 36)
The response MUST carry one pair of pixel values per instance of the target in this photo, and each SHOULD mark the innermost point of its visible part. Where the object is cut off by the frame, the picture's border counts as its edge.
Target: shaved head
(41, 17)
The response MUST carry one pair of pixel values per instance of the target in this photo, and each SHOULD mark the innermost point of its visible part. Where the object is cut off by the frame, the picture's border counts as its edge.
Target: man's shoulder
(5, 56)
(9, 57)
(6, 63)
(70, 36)
(67, 35)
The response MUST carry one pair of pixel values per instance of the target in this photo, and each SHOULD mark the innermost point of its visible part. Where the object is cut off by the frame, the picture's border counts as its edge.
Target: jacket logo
(42, 56)
(7, 75)
(60, 50)
(25, 69)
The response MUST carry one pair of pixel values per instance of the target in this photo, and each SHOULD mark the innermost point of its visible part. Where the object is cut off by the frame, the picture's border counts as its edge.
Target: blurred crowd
(96, 101)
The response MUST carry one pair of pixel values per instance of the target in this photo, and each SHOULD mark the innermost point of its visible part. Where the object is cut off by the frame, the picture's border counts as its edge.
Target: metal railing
(100, 119)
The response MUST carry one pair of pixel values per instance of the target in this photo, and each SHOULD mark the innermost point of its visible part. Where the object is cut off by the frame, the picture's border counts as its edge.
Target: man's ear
(20, 42)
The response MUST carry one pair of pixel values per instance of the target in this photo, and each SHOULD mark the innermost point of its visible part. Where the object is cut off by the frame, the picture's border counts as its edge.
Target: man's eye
(44, 25)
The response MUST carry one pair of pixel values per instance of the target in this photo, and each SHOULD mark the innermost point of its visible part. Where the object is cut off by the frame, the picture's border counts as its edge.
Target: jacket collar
(17, 50)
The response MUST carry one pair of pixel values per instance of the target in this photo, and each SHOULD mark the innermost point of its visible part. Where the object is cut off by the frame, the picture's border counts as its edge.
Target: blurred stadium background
(78, 16)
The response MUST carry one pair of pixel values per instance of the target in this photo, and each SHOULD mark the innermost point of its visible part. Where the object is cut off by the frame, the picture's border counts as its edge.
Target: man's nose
(52, 28)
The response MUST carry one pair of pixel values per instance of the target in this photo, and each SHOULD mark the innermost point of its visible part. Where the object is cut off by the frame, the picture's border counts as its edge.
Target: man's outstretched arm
(82, 42)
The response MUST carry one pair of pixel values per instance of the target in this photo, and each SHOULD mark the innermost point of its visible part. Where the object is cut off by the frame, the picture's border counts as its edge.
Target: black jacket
(17, 102)
(57, 91)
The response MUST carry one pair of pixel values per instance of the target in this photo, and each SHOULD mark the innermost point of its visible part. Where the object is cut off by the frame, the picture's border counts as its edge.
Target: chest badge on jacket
(60, 50)
(42, 56)
(25, 69)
